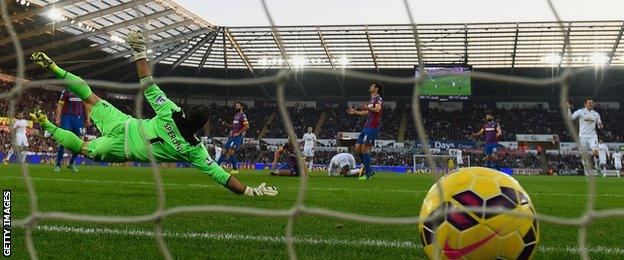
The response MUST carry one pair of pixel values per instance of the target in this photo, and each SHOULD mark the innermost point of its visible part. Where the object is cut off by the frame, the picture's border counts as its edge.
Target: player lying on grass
(343, 164)
(290, 165)
(171, 133)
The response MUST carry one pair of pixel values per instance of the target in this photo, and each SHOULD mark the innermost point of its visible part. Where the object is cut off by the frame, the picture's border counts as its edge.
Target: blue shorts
(73, 123)
(491, 149)
(368, 136)
(290, 166)
(234, 142)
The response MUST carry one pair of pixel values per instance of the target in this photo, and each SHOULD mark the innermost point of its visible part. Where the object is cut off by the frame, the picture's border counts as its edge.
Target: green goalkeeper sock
(77, 86)
(58, 71)
(66, 138)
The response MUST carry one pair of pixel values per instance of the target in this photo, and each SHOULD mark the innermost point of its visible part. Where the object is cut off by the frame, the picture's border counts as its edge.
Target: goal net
(444, 163)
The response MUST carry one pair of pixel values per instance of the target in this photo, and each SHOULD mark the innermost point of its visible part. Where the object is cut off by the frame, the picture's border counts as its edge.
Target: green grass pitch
(445, 86)
(130, 191)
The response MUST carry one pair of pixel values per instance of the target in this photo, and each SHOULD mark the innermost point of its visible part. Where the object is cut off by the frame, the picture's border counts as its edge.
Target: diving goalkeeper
(171, 133)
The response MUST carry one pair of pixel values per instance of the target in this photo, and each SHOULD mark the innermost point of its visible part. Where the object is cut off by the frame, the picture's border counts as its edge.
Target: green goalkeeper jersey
(124, 138)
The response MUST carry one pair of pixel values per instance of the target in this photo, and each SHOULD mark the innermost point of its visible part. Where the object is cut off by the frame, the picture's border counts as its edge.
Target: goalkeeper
(171, 133)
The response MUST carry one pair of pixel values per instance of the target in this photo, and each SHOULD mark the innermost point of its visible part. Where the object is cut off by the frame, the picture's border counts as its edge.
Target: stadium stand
(440, 124)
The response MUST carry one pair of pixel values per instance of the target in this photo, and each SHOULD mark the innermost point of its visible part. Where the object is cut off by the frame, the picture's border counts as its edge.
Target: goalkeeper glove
(261, 190)
(138, 45)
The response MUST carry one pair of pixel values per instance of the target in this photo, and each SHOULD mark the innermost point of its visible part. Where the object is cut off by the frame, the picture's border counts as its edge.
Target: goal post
(420, 163)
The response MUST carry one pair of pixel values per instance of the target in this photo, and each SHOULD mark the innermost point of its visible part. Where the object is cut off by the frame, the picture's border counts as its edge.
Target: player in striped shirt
(366, 139)
(70, 115)
(492, 131)
(235, 140)
(290, 166)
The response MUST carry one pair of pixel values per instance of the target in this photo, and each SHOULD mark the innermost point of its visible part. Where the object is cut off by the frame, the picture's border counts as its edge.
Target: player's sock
(354, 172)
(59, 155)
(8, 158)
(24, 155)
(21, 157)
(63, 137)
(366, 160)
(221, 159)
(78, 87)
(73, 159)
(234, 162)
(310, 164)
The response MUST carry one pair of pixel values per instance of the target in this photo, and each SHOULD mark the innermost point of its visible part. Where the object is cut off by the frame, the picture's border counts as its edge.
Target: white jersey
(587, 122)
(458, 156)
(603, 150)
(617, 160)
(217, 152)
(341, 160)
(309, 139)
(19, 126)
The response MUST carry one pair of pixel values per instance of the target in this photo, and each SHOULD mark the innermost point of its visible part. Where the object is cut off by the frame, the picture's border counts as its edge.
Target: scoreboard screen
(446, 82)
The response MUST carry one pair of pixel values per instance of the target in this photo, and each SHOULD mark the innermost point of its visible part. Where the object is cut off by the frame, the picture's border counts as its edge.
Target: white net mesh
(299, 208)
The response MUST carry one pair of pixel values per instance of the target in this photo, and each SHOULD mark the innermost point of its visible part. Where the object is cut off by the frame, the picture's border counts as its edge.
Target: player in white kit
(617, 161)
(458, 154)
(588, 119)
(343, 164)
(309, 143)
(603, 154)
(19, 126)
(218, 150)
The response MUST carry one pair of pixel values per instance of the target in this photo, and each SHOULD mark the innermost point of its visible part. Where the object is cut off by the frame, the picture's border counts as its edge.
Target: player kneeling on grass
(343, 164)
(171, 133)
(290, 166)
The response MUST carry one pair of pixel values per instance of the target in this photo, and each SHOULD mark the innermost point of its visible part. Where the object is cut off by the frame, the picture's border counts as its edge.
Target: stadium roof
(72, 30)
(482, 45)
(89, 33)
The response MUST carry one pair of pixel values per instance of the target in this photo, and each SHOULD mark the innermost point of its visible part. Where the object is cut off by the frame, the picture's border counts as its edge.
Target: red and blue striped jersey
(374, 118)
(72, 105)
(239, 122)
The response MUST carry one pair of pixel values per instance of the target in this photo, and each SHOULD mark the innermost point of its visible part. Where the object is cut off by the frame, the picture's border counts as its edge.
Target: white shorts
(588, 143)
(602, 159)
(308, 151)
(618, 166)
(21, 140)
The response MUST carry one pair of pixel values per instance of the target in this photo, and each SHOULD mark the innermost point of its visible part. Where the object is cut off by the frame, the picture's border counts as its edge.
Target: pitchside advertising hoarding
(445, 145)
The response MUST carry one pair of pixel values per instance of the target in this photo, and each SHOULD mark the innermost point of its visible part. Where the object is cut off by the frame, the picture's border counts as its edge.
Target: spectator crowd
(440, 125)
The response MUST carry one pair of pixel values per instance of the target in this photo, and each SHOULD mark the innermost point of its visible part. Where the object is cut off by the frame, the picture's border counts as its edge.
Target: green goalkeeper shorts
(110, 147)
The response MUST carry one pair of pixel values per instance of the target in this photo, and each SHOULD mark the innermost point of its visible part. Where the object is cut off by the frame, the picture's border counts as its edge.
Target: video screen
(440, 86)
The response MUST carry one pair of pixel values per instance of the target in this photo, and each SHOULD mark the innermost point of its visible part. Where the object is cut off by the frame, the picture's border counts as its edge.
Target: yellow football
(450, 230)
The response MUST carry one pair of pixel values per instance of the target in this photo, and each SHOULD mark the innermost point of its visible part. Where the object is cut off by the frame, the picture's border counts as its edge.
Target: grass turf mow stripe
(82, 180)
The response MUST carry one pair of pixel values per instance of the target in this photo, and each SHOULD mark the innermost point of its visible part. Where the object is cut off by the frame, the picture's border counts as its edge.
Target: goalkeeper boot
(38, 116)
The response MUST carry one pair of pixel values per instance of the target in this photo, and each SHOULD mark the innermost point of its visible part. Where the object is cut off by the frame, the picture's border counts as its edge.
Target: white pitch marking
(299, 240)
